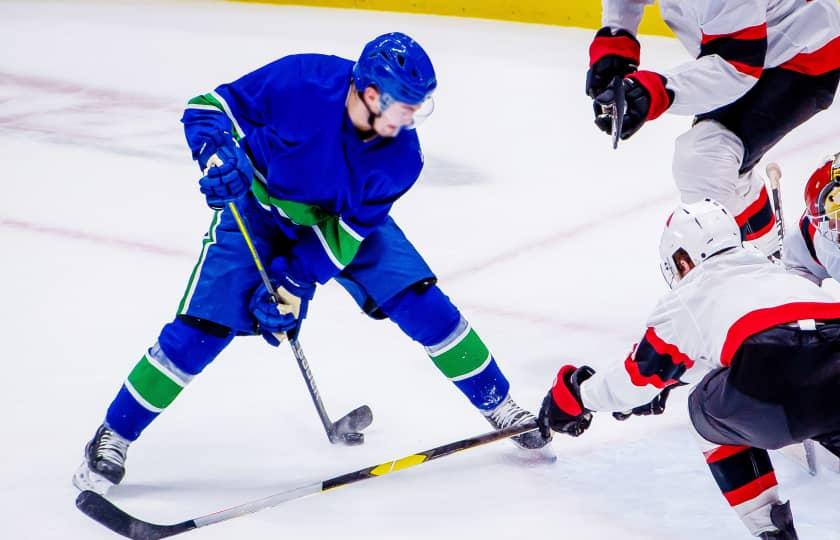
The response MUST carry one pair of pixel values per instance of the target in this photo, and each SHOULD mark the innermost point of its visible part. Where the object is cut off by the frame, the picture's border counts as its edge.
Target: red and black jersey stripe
(744, 49)
(757, 219)
(742, 473)
(807, 229)
(656, 362)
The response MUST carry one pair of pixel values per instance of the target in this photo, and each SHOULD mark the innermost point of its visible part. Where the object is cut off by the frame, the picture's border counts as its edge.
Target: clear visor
(403, 115)
(668, 273)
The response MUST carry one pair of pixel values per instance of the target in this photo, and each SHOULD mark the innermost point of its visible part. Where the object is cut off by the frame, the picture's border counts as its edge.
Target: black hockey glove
(656, 405)
(646, 98)
(562, 410)
(781, 517)
(610, 56)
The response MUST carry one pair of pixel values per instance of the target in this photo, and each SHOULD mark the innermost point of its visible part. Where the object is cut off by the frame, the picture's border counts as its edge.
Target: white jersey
(733, 41)
(810, 254)
(701, 323)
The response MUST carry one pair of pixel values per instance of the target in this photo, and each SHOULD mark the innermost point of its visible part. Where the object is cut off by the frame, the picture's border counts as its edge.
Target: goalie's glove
(277, 320)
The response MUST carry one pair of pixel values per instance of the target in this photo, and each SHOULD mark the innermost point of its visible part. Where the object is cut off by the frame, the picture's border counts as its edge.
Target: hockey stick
(346, 429)
(616, 110)
(106, 513)
(774, 174)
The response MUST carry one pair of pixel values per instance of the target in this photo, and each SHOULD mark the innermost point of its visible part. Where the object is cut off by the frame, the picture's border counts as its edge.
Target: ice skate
(104, 464)
(507, 414)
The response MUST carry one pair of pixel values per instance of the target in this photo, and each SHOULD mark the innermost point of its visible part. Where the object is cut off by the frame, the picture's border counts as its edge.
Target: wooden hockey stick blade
(109, 515)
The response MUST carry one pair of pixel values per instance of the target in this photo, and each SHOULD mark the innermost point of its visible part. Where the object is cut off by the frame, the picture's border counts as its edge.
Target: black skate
(104, 464)
(507, 414)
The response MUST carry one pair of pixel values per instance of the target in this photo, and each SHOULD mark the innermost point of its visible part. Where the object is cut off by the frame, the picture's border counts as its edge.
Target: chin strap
(372, 116)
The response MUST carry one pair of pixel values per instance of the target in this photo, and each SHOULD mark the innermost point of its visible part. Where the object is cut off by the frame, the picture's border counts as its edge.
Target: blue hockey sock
(430, 318)
(181, 352)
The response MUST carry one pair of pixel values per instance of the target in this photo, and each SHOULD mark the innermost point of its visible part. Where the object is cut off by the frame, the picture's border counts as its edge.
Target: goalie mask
(696, 230)
(822, 198)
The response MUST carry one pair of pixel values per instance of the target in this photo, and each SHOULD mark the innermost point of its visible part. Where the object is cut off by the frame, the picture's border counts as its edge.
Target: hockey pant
(388, 278)
(717, 156)
(783, 387)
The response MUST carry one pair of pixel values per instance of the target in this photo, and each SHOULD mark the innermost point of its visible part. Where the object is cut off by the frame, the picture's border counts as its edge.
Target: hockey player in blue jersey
(314, 150)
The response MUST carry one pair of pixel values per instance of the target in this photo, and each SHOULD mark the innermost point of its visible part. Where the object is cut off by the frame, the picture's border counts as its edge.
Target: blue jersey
(327, 187)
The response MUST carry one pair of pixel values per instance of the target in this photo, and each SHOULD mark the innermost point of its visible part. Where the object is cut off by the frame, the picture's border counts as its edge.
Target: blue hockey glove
(285, 317)
(562, 410)
(229, 180)
(205, 144)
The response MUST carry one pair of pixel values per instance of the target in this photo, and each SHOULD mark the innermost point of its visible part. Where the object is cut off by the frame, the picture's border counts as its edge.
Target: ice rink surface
(544, 236)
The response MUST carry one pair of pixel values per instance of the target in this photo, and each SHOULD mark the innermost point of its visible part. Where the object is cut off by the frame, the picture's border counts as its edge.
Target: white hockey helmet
(701, 229)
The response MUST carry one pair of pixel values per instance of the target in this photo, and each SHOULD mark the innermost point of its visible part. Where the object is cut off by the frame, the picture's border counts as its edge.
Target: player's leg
(743, 472)
(716, 158)
(389, 279)
(212, 311)
(707, 161)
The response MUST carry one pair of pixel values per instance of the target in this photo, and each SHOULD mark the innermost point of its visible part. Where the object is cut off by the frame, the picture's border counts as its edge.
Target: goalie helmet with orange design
(822, 198)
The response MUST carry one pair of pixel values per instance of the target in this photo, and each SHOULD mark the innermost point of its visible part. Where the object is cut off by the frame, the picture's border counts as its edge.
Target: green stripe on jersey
(211, 100)
(463, 356)
(340, 242)
(157, 388)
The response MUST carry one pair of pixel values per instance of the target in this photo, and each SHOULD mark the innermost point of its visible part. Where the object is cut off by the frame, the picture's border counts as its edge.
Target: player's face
(396, 115)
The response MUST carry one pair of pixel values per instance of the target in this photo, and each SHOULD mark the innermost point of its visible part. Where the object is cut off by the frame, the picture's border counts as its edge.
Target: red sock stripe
(722, 452)
(819, 62)
(754, 208)
(751, 490)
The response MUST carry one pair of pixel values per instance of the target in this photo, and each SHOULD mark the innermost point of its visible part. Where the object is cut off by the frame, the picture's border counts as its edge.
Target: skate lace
(112, 447)
(509, 414)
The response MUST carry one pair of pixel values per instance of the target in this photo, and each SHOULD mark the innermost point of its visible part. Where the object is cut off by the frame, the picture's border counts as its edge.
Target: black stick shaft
(106, 513)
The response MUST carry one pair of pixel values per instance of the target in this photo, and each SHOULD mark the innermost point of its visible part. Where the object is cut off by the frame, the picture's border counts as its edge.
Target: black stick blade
(100, 509)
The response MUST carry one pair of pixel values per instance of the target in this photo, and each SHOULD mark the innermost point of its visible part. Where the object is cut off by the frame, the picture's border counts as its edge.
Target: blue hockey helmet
(398, 67)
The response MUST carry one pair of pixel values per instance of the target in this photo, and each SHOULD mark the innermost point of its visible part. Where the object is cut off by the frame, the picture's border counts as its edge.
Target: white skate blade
(86, 479)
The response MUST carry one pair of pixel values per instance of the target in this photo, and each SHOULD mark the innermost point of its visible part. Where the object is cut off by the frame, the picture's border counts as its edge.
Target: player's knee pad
(190, 344)
(706, 162)
(424, 314)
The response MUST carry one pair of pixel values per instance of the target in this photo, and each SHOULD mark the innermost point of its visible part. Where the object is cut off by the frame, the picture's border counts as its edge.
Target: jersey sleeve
(733, 45)
(623, 14)
(240, 106)
(799, 253)
(653, 364)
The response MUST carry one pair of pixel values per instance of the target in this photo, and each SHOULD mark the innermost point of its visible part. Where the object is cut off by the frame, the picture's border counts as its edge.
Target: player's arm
(733, 47)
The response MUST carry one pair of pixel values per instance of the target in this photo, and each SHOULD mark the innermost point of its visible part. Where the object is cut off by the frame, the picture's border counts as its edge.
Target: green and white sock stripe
(209, 240)
(214, 102)
(462, 355)
(155, 382)
(340, 241)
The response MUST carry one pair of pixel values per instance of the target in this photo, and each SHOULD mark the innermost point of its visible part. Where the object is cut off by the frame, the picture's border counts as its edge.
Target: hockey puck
(353, 438)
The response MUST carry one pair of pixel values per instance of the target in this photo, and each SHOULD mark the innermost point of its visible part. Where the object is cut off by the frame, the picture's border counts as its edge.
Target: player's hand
(206, 143)
(227, 177)
(646, 98)
(275, 319)
(654, 407)
(562, 410)
(610, 56)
